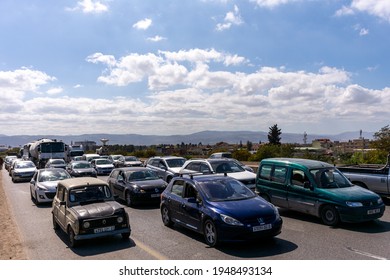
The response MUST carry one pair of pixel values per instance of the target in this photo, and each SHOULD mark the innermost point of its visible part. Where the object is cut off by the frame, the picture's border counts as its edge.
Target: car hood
(96, 210)
(244, 175)
(48, 185)
(175, 169)
(244, 209)
(104, 166)
(354, 193)
(84, 170)
(26, 170)
(149, 183)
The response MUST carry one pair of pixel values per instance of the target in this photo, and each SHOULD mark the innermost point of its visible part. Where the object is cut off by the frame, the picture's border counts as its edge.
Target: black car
(136, 184)
(219, 207)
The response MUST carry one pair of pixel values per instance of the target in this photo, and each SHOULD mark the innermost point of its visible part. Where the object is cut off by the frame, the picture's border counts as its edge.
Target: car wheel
(72, 241)
(36, 199)
(265, 197)
(210, 233)
(166, 217)
(129, 199)
(125, 235)
(55, 224)
(329, 215)
(31, 195)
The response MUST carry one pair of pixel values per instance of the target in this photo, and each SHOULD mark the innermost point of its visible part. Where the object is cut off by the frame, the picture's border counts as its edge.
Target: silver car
(43, 185)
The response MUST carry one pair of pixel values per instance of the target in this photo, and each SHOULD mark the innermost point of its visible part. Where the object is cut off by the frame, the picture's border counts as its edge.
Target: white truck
(373, 177)
(42, 150)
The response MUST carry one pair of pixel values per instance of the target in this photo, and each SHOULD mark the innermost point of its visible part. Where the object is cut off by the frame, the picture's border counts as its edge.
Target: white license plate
(99, 230)
(373, 211)
(155, 195)
(262, 227)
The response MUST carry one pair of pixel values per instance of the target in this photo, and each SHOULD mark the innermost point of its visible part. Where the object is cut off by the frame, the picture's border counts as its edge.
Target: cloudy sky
(184, 66)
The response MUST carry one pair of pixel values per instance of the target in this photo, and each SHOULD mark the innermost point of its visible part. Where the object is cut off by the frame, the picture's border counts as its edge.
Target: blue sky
(179, 67)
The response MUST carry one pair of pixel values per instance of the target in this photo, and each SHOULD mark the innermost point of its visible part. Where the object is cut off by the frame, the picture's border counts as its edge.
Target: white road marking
(366, 254)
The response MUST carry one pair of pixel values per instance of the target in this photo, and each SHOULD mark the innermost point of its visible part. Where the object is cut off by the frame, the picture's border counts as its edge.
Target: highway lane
(303, 237)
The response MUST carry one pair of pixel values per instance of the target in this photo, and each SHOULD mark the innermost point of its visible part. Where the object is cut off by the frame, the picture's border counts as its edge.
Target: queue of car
(215, 197)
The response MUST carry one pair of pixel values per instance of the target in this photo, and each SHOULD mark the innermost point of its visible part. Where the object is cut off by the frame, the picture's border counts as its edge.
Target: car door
(300, 196)
(191, 208)
(272, 182)
(175, 201)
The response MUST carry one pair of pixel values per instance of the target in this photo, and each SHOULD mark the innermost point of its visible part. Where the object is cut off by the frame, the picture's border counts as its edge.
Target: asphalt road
(303, 237)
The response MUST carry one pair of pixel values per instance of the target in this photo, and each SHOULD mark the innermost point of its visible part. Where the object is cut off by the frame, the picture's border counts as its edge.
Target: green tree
(382, 139)
(274, 135)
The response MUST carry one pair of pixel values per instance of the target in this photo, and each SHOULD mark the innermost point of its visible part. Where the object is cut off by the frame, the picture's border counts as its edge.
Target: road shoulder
(11, 247)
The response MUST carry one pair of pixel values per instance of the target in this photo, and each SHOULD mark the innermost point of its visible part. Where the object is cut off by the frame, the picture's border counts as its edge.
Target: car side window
(161, 164)
(178, 188)
(265, 172)
(60, 193)
(298, 177)
(279, 174)
(190, 191)
(204, 168)
(193, 166)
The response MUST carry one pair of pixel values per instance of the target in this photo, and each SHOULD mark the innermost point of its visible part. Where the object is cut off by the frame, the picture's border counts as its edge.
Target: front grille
(260, 220)
(50, 195)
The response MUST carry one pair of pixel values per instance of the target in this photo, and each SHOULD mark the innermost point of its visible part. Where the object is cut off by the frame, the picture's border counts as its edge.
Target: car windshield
(226, 167)
(131, 159)
(177, 162)
(89, 194)
(52, 175)
(224, 190)
(58, 161)
(82, 165)
(103, 161)
(25, 164)
(328, 178)
(142, 175)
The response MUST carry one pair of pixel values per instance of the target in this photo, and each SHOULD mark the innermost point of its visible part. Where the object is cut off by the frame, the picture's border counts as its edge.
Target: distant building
(352, 146)
(87, 145)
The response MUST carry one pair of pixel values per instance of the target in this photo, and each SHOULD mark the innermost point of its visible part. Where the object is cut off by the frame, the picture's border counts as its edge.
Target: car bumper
(45, 196)
(361, 214)
(146, 197)
(227, 233)
(102, 234)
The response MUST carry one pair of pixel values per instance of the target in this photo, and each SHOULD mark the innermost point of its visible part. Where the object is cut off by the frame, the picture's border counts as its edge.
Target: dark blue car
(219, 207)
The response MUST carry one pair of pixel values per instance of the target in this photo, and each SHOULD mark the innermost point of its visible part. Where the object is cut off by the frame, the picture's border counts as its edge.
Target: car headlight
(276, 211)
(354, 204)
(230, 221)
(86, 225)
(379, 201)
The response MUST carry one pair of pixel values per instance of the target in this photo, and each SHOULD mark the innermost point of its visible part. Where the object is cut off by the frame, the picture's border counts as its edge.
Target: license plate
(99, 230)
(373, 211)
(155, 195)
(262, 227)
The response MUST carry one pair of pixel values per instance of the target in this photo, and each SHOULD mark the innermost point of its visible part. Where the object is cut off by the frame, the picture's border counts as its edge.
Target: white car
(43, 185)
(221, 166)
(102, 166)
(22, 170)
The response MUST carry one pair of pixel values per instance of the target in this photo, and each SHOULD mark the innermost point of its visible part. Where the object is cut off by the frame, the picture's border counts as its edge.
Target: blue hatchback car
(219, 207)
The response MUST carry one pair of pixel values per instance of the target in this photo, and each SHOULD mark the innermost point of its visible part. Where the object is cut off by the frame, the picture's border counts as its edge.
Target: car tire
(166, 217)
(210, 233)
(265, 197)
(55, 224)
(36, 199)
(72, 241)
(329, 215)
(129, 199)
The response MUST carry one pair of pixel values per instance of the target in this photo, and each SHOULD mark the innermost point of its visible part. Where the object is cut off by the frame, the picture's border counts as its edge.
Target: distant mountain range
(204, 137)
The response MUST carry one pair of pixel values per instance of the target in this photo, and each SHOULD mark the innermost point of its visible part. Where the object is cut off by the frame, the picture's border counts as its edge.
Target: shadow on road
(97, 246)
(373, 227)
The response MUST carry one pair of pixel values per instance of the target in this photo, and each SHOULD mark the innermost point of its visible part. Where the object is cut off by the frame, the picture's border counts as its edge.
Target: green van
(316, 188)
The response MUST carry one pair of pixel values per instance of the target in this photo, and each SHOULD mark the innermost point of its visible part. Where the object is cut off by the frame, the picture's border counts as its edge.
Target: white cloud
(156, 38)
(231, 18)
(272, 3)
(143, 24)
(90, 7)
(378, 8)
(185, 93)
(55, 91)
